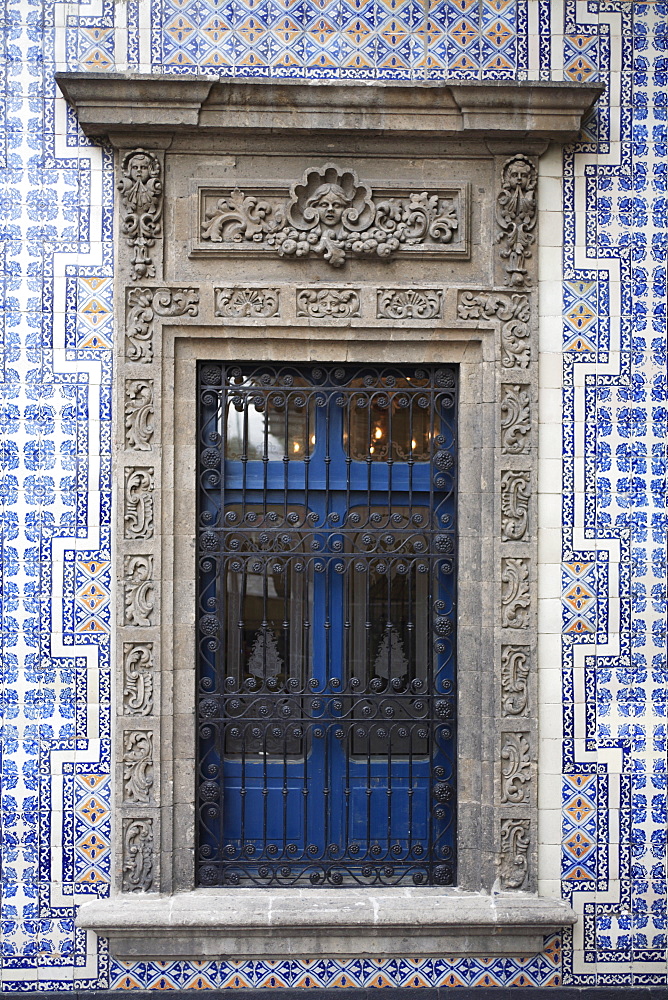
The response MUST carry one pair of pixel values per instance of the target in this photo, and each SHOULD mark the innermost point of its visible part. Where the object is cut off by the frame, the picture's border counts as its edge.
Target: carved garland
(331, 214)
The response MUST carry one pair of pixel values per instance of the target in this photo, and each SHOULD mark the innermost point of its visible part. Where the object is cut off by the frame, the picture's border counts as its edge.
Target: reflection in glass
(269, 425)
(389, 422)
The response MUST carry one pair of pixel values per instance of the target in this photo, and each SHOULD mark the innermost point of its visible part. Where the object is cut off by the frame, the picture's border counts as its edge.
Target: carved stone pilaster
(138, 855)
(515, 842)
(137, 766)
(139, 591)
(515, 419)
(515, 767)
(138, 514)
(139, 414)
(138, 678)
(515, 670)
(515, 496)
(516, 217)
(140, 187)
(515, 593)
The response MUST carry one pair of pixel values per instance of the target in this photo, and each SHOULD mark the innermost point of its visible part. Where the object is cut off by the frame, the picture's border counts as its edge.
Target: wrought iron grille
(326, 624)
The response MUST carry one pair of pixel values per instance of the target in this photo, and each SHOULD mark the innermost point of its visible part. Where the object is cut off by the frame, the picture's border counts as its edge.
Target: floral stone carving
(330, 213)
(516, 217)
(140, 189)
(515, 669)
(514, 311)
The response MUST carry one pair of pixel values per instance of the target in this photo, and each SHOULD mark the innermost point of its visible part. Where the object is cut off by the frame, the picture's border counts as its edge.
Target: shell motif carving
(331, 214)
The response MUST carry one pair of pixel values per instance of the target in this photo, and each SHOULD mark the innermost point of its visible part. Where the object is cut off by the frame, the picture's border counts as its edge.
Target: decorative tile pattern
(56, 203)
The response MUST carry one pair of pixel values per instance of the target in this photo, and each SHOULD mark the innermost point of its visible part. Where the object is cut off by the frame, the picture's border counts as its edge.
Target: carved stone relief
(330, 213)
(143, 306)
(515, 767)
(515, 419)
(137, 855)
(140, 187)
(139, 589)
(515, 593)
(514, 311)
(334, 303)
(515, 669)
(409, 303)
(515, 496)
(240, 302)
(137, 766)
(139, 413)
(138, 515)
(514, 854)
(516, 217)
(138, 678)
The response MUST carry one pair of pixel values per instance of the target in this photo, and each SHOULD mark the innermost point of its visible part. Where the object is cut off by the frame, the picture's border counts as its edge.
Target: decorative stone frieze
(138, 678)
(515, 593)
(138, 861)
(244, 302)
(140, 187)
(516, 217)
(515, 670)
(328, 303)
(331, 213)
(515, 419)
(139, 414)
(514, 854)
(409, 303)
(143, 306)
(515, 497)
(514, 312)
(137, 766)
(515, 767)
(139, 589)
(138, 515)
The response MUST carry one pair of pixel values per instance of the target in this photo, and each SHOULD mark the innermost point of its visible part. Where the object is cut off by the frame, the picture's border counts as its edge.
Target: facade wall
(602, 479)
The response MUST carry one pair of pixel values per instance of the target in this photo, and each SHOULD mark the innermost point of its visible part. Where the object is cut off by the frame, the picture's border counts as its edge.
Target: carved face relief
(329, 201)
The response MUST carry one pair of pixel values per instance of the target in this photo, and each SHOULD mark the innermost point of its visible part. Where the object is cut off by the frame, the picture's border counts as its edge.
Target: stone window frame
(165, 329)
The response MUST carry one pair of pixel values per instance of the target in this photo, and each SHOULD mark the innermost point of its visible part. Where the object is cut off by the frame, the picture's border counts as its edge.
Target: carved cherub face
(519, 175)
(330, 201)
(139, 168)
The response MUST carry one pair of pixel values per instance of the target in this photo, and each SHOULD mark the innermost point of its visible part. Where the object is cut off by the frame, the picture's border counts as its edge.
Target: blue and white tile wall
(603, 483)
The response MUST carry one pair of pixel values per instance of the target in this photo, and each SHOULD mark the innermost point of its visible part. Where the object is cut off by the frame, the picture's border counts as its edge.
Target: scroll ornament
(138, 855)
(514, 855)
(143, 306)
(139, 590)
(138, 678)
(515, 419)
(137, 766)
(515, 495)
(515, 593)
(515, 668)
(330, 213)
(515, 767)
(140, 188)
(139, 413)
(514, 311)
(516, 217)
(138, 515)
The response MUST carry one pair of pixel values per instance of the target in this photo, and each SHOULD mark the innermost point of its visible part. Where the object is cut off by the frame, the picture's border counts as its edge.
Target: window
(326, 624)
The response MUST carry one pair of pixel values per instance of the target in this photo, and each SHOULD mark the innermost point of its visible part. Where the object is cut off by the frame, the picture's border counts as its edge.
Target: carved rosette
(409, 303)
(239, 302)
(331, 213)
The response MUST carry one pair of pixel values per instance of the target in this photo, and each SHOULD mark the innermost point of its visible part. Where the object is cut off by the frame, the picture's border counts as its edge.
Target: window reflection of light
(296, 446)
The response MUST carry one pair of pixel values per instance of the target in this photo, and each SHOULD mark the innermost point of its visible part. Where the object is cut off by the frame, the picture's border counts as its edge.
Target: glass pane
(273, 425)
(388, 422)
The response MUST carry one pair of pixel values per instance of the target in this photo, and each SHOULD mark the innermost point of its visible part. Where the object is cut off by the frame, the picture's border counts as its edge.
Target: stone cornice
(261, 924)
(110, 105)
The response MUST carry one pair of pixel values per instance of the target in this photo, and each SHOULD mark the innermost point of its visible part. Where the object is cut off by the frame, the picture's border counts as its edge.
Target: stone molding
(477, 310)
(270, 924)
(117, 104)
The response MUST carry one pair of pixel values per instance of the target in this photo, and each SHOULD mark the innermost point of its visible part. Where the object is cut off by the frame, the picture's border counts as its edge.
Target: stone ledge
(112, 104)
(274, 924)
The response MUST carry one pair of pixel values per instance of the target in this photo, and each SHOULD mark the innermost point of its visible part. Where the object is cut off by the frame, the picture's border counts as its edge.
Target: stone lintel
(273, 924)
(110, 104)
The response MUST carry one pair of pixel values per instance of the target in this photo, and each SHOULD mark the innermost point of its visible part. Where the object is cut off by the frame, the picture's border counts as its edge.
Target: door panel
(326, 620)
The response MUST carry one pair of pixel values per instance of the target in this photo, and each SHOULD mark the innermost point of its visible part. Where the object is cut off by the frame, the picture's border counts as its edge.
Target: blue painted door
(332, 738)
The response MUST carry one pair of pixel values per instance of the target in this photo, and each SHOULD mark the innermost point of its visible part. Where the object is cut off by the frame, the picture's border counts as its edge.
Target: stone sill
(315, 923)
